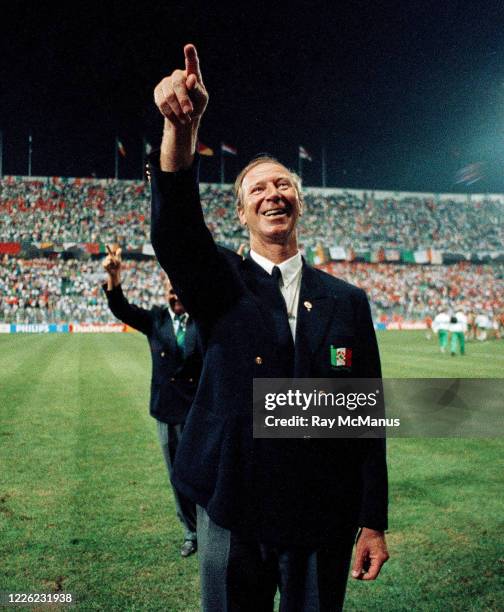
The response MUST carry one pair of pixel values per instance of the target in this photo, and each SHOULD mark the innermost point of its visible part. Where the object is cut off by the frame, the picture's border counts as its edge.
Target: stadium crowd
(70, 211)
(74, 210)
(58, 291)
(416, 292)
(66, 211)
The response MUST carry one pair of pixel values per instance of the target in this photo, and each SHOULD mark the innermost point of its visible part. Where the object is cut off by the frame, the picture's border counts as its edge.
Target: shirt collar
(289, 268)
(173, 315)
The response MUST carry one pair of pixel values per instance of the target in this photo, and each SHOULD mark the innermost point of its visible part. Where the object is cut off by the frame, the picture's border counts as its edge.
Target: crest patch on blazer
(341, 357)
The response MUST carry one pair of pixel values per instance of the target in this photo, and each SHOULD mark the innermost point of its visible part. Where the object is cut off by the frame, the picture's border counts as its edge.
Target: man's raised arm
(182, 242)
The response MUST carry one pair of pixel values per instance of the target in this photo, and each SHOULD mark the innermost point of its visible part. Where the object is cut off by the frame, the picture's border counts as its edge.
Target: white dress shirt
(177, 322)
(291, 282)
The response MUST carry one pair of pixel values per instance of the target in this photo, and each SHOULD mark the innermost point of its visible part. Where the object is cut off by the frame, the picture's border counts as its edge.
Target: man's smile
(277, 212)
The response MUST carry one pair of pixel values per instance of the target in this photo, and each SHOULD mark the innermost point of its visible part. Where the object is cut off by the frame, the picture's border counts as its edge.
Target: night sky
(401, 94)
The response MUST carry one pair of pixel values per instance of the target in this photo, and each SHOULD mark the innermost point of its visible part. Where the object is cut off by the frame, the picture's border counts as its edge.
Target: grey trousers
(240, 575)
(169, 437)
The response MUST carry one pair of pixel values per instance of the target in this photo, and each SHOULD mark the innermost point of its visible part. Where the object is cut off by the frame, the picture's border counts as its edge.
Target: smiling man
(271, 513)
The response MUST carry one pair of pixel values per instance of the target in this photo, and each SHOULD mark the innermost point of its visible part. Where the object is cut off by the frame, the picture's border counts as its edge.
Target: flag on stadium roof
(469, 174)
(121, 149)
(203, 149)
(303, 154)
(225, 148)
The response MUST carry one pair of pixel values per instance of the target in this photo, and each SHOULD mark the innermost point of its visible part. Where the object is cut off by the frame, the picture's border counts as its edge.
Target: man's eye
(256, 189)
(283, 184)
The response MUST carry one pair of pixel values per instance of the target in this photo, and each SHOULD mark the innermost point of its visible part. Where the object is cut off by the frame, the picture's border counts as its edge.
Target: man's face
(270, 203)
(172, 299)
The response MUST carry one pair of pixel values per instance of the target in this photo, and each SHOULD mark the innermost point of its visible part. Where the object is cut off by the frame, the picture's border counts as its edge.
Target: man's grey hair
(264, 159)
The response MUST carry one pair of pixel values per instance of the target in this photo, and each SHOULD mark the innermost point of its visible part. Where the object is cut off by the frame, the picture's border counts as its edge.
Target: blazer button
(162, 353)
(172, 379)
(258, 360)
(190, 380)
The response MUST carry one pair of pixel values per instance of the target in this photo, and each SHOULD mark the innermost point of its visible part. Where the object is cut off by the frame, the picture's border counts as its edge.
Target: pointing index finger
(192, 62)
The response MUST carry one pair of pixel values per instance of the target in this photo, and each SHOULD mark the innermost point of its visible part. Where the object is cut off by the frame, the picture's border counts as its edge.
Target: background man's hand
(112, 265)
(370, 554)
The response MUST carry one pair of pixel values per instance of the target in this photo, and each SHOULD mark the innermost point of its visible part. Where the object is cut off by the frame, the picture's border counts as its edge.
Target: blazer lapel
(167, 331)
(190, 338)
(315, 311)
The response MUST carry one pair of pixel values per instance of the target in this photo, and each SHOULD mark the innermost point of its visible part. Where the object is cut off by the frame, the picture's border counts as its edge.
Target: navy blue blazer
(287, 492)
(175, 374)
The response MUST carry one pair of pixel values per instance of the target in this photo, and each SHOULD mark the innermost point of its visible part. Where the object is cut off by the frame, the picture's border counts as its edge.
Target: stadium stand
(93, 211)
(58, 291)
(53, 230)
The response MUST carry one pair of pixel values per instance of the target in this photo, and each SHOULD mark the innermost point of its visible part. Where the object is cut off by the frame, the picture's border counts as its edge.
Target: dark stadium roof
(401, 94)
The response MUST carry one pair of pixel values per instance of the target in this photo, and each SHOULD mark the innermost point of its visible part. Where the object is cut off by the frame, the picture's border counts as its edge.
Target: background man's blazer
(288, 492)
(175, 373)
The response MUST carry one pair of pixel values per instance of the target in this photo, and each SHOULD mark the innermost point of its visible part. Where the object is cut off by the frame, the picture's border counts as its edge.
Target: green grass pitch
(85, 506)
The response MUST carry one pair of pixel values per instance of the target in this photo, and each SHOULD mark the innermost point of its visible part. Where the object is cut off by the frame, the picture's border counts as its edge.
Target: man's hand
(181, 99)
(112, 264)
(370, 554)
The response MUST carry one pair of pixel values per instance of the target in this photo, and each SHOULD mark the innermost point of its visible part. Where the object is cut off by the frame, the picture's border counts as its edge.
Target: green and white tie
(181, 329)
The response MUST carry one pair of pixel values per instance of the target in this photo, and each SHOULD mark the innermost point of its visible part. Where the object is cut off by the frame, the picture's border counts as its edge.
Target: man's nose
(272, 193)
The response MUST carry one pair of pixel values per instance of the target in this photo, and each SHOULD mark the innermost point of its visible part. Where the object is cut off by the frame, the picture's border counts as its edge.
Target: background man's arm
(136, 317)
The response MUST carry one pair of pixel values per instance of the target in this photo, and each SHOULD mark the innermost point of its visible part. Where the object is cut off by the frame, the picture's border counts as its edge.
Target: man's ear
(241, 215)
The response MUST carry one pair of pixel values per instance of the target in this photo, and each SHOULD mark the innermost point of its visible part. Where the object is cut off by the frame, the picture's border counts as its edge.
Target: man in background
(176, 366)
(458, 329)
(483, 324)
(441, 327)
